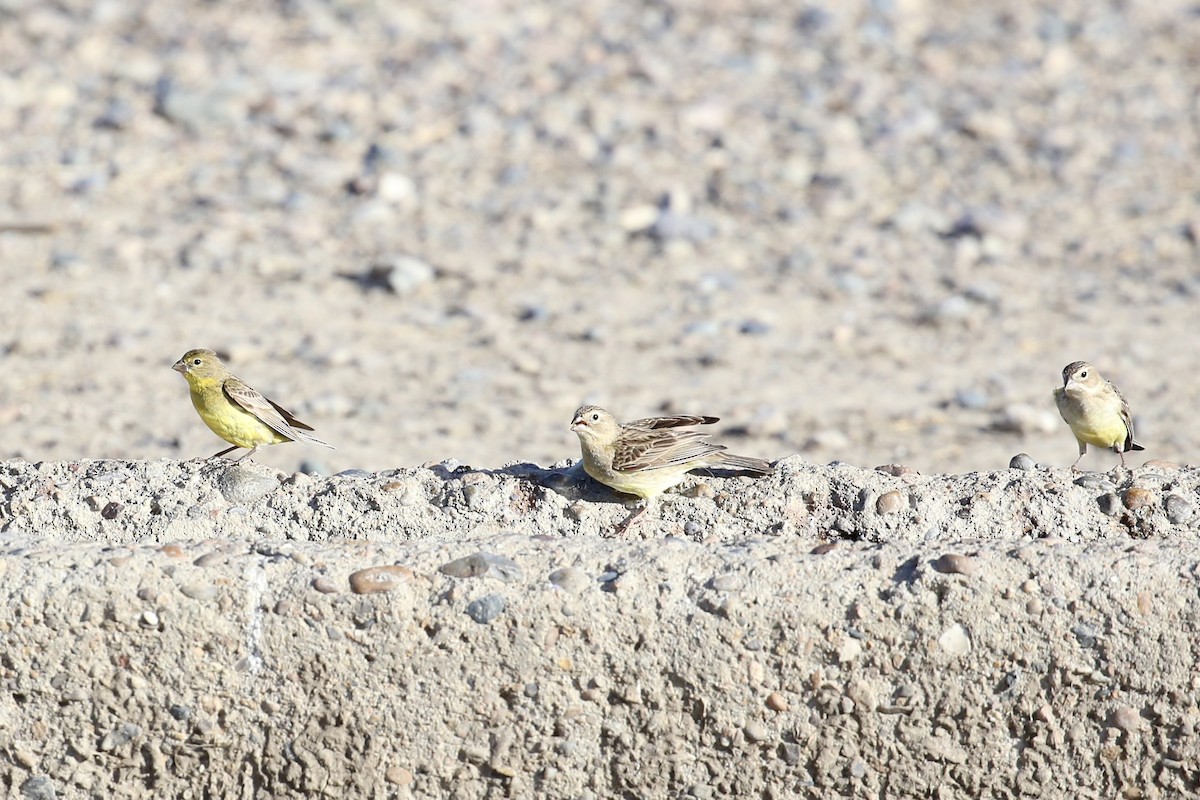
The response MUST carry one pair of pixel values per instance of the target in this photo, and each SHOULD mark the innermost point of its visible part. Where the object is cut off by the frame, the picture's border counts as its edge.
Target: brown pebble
(210, 559)
(1044, 714)
(896, 469)
(172, 550)
(1161, 463)
(392, 486)
(1125, 718)
(1137, 497)
(111, 510)
(398, 776)
(890, 502)
(701, 489)
(379, 579)
(955, 564)
(324, 585)
(1144, 603)
(823, 548)
(775, 702)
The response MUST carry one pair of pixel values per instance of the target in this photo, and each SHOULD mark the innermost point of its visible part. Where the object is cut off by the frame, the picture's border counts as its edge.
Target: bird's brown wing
(1127, 418)
(640, 449)
(266, 411)
(678, 421)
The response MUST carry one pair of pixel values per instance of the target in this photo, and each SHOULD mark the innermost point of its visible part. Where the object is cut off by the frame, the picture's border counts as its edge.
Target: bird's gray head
(594, 421)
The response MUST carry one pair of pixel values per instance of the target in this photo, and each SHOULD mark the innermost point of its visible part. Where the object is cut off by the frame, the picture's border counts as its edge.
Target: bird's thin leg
(632, 518)
(1082, 451)
(248, 453)
(223, 452)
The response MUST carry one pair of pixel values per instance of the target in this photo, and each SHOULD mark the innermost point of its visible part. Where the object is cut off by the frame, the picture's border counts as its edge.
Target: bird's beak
(578, 423)
(179, 366)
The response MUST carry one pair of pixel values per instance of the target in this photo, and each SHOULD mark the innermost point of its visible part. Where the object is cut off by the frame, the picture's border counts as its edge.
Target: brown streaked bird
(233, 410)
(1095, 411)
(648, 456)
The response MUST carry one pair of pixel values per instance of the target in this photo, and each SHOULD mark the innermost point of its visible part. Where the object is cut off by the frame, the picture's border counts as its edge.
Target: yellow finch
(234, 411)
(1096, 412)
(648, 456)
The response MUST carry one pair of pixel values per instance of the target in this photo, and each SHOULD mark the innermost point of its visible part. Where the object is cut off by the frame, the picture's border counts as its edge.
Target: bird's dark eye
(1083, 374)
(595, 417)
(196, 361)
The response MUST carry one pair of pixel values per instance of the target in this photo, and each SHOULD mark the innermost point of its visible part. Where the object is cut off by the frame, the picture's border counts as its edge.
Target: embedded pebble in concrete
(955, 641)
(570, 579)
(1126, 718)
(325, 585)
(1179, 509)
(1137, 497)
(1022, 461)
(199, 590)
(890, 502)
(244, 484)
(373, 580)
(38, 787)
(487, 608)
(481, 563)
(955, 564)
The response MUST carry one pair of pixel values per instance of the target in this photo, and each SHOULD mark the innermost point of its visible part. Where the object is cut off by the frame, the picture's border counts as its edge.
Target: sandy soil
(870, 233)
(864, 233)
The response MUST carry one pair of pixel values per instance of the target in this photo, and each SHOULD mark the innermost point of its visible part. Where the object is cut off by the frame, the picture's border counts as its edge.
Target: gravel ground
(862, 233)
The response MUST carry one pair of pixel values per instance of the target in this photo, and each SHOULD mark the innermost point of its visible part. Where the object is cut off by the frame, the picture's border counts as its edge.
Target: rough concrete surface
(206, 629)
(862, 233)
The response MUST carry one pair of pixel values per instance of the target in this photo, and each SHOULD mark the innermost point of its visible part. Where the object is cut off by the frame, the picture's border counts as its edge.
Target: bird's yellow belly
(231, 423)
(643, 483)
(1108, 433)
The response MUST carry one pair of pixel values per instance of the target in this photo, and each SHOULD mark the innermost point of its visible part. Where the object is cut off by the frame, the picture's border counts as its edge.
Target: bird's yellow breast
(1094, 420)
(227, 420)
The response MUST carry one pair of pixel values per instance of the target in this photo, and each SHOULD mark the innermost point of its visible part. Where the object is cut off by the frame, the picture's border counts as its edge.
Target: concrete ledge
(764, 653)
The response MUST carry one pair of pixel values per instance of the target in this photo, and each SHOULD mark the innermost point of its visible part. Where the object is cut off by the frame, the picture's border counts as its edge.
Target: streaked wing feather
(678, 421)
(289, 416)
(1127, 418)
(635, 450)
(252, 401)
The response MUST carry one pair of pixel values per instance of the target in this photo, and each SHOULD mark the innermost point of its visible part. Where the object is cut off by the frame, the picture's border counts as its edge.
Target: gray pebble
(726, 583)
(198, 590)
(756, 732)
(1125, 718)
(354, 473)
(1110, 504)
(245, 483)
(122, 734)
(1179, 509)
(693, 528)
(486, 609)
(180, 713)
(974, 399)
(476, 564)
(1085, 634)
(890, 502)
(570, 579)
(1022, 461)
(1095, 480)
(790, 753)
(324, 585)
(38, 787)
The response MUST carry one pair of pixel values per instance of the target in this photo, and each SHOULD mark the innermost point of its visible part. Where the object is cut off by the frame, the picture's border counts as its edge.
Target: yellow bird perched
(233, 410)
(1095, 411)
(648, 456)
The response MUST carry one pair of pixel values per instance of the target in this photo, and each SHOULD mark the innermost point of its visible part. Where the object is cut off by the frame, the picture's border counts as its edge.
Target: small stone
(111, 510)
(570, 579)
(38, 787)
(1137, 497)
(1179, 509)
(1110, 504)
(149, 619)
(198, 590)
(955, 564)
(701, 489)
(487, 608)
(1022, 461)
(890, 502)
(756, 732)
(180, 713)
(776, 702)
(972, 398)
(1162, 464)
(791, 753)
(398, 776)
(374, 580)
(476, 564)
(25, 758)
(243, 484)
(324, 585)
(211, 559)
(896, 469)
(172, 550)
(1044, 714)
(1125, 718)
(955, 641)
(1085, 634)
(123, 734)
(638, 218)
(850, 650)
(726, 583)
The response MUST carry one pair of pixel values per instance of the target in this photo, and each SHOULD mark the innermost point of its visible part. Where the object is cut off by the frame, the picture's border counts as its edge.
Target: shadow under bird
(1095, 411)
(648, 456)
(236, 412)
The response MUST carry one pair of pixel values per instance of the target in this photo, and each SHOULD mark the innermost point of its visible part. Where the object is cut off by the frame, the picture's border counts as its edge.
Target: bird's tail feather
(308, 437)
(743, 463)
